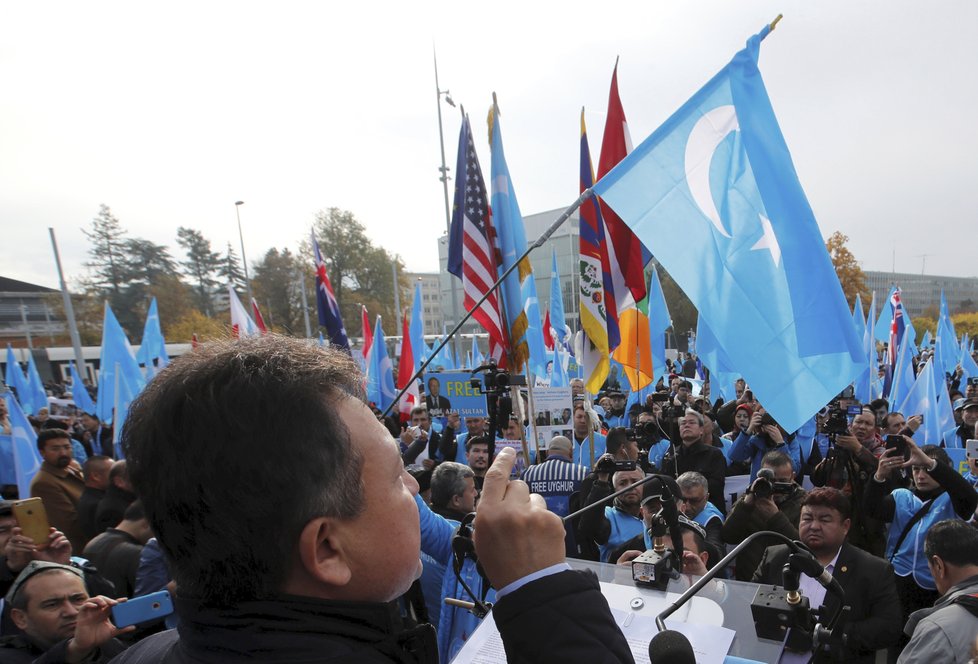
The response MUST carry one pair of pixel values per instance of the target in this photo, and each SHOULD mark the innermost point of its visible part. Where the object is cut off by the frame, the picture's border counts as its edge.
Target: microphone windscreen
(671, 647)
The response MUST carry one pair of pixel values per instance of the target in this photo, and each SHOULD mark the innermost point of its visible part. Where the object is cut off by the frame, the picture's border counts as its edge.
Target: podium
(722, 603)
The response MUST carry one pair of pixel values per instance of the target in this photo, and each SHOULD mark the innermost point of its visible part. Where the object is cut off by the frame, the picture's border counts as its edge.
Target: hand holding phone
(142, 609)
(33, 520)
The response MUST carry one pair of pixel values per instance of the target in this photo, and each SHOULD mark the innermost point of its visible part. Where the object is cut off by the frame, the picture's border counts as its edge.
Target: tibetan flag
(598, 310)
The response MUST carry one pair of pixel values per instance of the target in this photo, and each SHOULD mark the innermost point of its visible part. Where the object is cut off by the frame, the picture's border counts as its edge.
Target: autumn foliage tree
(847, 268)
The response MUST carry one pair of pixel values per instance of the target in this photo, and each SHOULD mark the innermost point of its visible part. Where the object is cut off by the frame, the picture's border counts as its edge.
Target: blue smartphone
(154, 606)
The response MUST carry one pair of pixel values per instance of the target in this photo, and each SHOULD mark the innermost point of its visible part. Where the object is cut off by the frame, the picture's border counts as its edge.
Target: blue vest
(910, 559)
(657, 451)
(709, 512)
(624, 527)
(582, 451)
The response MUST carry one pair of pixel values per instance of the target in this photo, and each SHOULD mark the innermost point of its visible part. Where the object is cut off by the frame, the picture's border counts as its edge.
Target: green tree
(360, 272)
(230, 270)
(107, 263)
(684, 314)
(201, 265)
(275, 286)
(847, 268)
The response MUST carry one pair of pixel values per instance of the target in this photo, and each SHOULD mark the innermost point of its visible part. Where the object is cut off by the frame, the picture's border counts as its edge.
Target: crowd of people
(292, 521)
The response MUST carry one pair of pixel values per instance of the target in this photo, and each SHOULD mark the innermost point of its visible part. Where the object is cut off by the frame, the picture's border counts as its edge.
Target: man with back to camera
(312, 573)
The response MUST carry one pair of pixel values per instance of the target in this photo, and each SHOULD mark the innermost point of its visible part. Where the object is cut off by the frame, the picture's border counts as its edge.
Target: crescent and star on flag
(705, 137)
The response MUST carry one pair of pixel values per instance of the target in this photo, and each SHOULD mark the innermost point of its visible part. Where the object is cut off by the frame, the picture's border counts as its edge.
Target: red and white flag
(259, 321)
(405, 371)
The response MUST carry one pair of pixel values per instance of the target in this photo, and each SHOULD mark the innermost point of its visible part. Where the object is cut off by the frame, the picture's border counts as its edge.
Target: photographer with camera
(651, 438)
(619, 522)
(764, 435)
(938, 493)
(852, 458)
(772, 502)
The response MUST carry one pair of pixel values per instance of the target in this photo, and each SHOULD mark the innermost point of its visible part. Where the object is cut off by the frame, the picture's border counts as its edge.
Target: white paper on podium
(710, 640)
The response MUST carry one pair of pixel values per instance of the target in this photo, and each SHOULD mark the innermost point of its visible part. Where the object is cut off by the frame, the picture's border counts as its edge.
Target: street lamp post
(244, 259)
(444, 181)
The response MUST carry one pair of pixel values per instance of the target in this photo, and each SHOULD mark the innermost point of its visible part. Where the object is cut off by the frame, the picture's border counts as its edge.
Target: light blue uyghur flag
(27, 460)
(723, 376)
(477, 358)
(558, 375)
(947, 348)
(922, 400)
(116, 354)
(416, 328)
(925, 342)
(380, 371)
(857, 316)
(557, 320)
(153, 346)
(659, 322)
(78, 392)
(903, 378)
(882, 327)
(14, 376)
(321, 342)
(39, 397)
(864, 382)
(750, 255)
(968, 365)
(523, 321)
(945, 413)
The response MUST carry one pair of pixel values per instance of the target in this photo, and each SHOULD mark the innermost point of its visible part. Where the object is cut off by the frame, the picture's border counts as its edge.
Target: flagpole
(305, 304)
(558, 222)
(69, 311)
(444, 182)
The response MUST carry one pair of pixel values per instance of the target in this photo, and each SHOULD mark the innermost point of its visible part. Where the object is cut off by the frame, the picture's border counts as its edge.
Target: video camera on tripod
(494, 384)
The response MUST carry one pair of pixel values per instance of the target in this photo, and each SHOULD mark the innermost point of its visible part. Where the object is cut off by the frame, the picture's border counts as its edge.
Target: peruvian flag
(405, 371)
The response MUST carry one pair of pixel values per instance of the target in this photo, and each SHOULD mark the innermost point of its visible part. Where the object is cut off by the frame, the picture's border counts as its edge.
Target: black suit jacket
(876, 619)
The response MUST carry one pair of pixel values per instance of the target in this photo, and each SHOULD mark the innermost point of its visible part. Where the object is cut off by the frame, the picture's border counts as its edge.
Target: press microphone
(806, 563)
(671, 647)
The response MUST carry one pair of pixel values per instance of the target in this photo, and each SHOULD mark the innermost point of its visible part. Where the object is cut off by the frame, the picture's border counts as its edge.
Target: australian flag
(329, 310)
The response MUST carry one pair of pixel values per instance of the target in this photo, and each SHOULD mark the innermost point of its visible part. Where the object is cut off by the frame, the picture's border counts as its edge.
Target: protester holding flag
(938, 493)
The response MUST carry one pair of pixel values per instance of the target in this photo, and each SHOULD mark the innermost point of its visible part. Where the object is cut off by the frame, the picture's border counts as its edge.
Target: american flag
(329, 310)
(473, 253)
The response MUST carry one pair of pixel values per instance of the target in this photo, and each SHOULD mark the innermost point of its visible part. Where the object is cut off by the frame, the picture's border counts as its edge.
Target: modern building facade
(920, 292)
(27, 318)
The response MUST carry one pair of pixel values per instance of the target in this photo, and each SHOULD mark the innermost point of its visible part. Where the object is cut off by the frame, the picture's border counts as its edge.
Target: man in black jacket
(696, 455)
(875, 621)
(310, 575)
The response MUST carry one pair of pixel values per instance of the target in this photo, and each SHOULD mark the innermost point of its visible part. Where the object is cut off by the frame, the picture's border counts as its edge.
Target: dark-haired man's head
(453, 488)
(619, 446)
(477, 454)
(824, 521)
(96, 470)
(197, 443)
(951, 548)
(55, 447)
(119, 476)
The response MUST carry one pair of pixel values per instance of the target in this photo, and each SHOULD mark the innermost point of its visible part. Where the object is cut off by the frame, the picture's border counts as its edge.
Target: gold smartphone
(33, 520)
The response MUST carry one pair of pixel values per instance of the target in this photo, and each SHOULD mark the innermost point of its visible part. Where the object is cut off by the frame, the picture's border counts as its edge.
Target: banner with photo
(453, 392)
(553, 414)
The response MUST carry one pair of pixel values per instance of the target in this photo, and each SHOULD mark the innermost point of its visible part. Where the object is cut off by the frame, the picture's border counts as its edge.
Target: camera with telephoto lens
(611, 466)
(765, 485)
(668, 409)
(642, 431)
(494, 382)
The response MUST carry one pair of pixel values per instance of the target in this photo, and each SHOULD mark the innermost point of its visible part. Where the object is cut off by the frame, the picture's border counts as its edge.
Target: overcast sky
(169, 113)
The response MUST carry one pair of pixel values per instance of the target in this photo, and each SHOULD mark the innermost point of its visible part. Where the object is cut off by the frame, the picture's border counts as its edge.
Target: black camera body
(611, 466)
(765, 486)
(642, 431)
